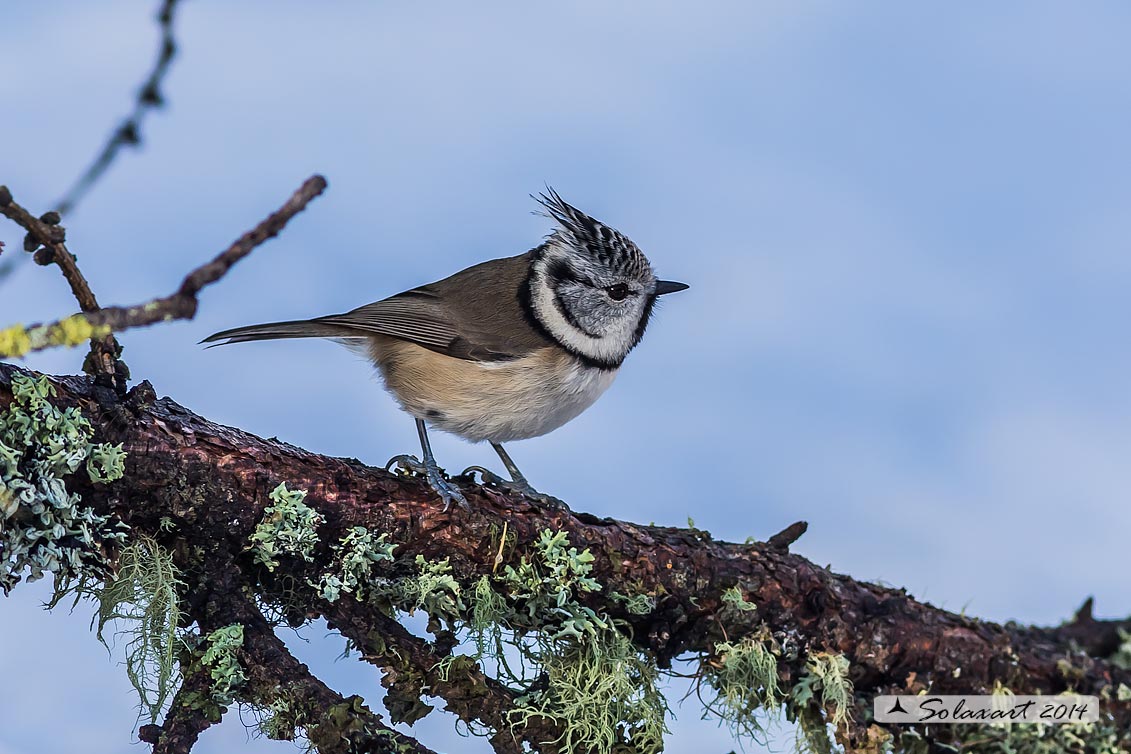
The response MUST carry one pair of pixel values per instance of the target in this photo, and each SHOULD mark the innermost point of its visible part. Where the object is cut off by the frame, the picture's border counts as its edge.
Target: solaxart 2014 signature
(987, 708)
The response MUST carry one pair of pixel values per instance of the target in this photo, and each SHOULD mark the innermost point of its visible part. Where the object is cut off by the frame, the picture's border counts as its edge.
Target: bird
(505, 350)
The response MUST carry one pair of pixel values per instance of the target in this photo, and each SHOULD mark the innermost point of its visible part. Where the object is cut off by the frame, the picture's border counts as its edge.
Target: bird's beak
(669, 286)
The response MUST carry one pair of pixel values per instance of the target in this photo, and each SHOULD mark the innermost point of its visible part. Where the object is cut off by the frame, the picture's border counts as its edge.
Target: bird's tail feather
(299, 328)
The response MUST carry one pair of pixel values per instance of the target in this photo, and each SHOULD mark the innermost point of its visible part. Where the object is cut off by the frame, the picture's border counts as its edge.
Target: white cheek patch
(609, 348)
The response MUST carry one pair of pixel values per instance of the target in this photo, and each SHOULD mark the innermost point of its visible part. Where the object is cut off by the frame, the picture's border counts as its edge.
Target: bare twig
(128, 132)
(180, 305)
(46, 232)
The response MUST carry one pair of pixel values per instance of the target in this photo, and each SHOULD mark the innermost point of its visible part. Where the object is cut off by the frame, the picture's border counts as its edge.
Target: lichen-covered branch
(185, 721)
(98, 323)
(765, 629)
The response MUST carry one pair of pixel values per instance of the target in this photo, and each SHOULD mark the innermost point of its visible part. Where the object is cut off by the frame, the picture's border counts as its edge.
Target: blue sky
(905, 227)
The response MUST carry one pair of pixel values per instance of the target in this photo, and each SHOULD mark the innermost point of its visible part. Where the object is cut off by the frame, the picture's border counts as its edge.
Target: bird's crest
(606, 245)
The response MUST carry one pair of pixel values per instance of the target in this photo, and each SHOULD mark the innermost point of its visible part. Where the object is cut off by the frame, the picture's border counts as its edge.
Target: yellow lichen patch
(14, 341)
(72, 331)
(75, 330)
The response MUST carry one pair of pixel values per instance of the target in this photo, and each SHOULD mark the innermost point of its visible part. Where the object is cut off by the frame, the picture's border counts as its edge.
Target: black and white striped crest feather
(607, 246)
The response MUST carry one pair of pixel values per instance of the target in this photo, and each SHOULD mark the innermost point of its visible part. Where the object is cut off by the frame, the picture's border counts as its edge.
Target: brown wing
(475, 314)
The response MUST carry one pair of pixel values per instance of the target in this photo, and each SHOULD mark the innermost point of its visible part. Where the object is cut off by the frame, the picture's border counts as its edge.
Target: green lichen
(354, 557)
(826, 683)
(734, 599)
(826, 674)
(1121, 658)
(637, 604)
(812, 734)
(216, 655)
(1034, 738)
(1101, 737)
(107, 463)
(488, 612)
(433, 590)
(744, 678)
(288, 528)
(564, 662)
(220, 657)
(45, 527)
(546, 584)
(567, 663)
(346, 726)
(280, 720)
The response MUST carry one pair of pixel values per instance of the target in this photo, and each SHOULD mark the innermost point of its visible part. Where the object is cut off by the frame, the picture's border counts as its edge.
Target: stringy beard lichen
(744, 678)
(142, 600)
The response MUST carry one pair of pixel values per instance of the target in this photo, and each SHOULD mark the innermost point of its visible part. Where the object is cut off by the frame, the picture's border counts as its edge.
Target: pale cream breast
(498, 401)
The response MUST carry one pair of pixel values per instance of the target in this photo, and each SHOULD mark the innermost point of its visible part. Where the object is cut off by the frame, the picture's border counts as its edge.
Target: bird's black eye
(617, 292)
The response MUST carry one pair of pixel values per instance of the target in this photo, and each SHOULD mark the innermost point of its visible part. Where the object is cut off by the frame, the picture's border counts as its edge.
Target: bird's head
(590, 287)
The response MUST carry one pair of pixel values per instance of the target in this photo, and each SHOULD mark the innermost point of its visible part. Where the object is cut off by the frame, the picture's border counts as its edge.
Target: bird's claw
(409, 464)
(440, 484)
(516, 486)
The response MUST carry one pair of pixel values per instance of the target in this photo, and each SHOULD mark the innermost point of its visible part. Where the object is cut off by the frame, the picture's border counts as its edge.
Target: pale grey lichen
(43, 527)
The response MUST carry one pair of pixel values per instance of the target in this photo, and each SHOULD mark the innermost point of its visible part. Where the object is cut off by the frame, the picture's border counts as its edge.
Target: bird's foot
(517, 486)
(440, 484)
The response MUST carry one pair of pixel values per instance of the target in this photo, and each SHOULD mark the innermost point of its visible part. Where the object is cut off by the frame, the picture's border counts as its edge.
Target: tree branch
(212, 482)
(179, 305)
(46, 239)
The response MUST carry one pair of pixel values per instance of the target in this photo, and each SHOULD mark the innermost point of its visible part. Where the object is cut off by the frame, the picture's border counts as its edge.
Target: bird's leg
(517, 483)
(429, 469)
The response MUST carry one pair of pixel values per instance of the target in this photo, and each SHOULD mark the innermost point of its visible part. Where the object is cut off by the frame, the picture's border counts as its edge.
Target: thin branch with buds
(181, 304)
(128, 132)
